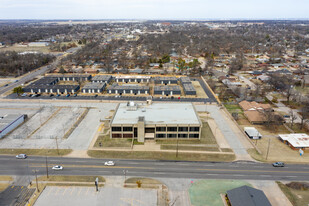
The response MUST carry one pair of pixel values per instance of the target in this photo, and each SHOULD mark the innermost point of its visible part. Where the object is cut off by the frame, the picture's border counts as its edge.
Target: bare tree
(293, 117)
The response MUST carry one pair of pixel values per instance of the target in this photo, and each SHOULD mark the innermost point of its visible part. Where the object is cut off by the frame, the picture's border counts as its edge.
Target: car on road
(95, 96)
(6, 85)
(75, 95)
(109, 163)
(278, 164)
(67, 95)
(24, 95)
(58, 95)
(51, 95)
(57, 167)
(21, 156)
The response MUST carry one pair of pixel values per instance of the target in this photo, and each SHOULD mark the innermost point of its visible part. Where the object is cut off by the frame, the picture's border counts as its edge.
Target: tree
(61, 70)
(18, 90)
(304, 114)
(293, 117)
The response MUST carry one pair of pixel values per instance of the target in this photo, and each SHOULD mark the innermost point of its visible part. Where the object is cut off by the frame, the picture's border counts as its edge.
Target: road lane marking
(232, 170)
(90, 166)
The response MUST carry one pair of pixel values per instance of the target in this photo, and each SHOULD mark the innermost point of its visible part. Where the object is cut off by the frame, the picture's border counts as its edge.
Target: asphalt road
(154, 168)
(27, 77)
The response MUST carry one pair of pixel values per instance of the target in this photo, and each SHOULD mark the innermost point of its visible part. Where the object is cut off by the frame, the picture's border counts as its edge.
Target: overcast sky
(154, 9)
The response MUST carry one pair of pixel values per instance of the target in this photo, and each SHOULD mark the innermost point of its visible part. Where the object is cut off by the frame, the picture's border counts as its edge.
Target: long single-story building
(93, 87)
(59, 89)
(166, 80)
(102, 78)
(296, 141)
(133, 79)
(185, 80)
(72, 77)
(10, 122)
(154, 121)
(189, 89)
(128, 89)
(167, 90)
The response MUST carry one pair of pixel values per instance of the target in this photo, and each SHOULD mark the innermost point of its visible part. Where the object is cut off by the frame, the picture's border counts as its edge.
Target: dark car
(51, 95)
(278, 164)
(95, 95)
(67, 95)
(58, 95)
(75, 95)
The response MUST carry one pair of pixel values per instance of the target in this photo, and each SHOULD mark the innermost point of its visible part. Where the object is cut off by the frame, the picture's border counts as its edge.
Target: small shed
(252, 133)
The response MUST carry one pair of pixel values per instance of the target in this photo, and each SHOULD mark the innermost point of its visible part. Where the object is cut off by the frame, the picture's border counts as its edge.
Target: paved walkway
(230, 131)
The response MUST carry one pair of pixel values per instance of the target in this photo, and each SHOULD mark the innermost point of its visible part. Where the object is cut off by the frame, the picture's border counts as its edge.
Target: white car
(21, 156)
(57, 167)
(109, 163)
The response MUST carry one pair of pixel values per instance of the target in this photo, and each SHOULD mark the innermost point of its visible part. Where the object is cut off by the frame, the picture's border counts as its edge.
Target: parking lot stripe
(87, 190)
(79, 191)
(65, 190)
(72, 189)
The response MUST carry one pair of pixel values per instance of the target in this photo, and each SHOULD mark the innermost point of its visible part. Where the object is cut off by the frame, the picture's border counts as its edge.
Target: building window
(161, 129)
(172, 129)
(127, 129)
(182, 135)
(127, 135)
(160, 136)
(194, 135)
(149, 130)
(171, 135)
(116, 129)
(182, 129)
(194, 129)
(116, 136)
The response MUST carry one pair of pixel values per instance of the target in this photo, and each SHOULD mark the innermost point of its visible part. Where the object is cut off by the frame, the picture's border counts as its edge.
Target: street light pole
(177, 148)
(125, 176)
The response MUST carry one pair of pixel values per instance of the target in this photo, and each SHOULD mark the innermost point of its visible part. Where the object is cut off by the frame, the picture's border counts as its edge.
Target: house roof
(247, 196)
(255, 116)
(245, 105)
(296, 140)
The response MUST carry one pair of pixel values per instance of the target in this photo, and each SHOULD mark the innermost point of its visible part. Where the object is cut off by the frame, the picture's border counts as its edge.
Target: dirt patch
(200, 93)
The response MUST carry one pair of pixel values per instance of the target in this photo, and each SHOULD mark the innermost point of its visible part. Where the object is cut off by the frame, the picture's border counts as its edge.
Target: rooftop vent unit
(131, 106)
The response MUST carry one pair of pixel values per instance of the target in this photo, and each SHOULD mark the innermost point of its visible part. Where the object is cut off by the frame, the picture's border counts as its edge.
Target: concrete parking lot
(88, 196)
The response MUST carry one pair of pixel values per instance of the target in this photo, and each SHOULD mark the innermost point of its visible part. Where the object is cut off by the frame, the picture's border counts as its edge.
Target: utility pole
(57, 145)
(36, 180)
(268, 148)
(46, 167)
(125, 176)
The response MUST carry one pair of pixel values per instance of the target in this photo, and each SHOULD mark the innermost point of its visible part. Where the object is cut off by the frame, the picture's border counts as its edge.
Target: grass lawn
(296, 197)
(189, 147)
(106, 141)
(143, 180)
(207, 192)
(3, 186)
(207, 137)
(276, 151)
(56, 178)
(39, 152)
(6, 178)
(233, 108)
(292, 104)
(161, 155)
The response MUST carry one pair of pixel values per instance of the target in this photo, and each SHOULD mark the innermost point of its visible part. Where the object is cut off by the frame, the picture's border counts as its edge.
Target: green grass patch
(38, 152)
(161, 155)
(137, 143)
(189, 147)
(233, 108)
(80, 178)
(106, 141)
(207, 192)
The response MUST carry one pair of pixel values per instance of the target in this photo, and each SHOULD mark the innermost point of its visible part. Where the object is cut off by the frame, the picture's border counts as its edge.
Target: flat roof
(94, 85)
(128, 86)
(188, 87)
(167, 88)
(131, 77)
(185, 80)
(101, 78)
(157, 113)
(252, 132)
(296, 140)
(6, 120)
(166, 78)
